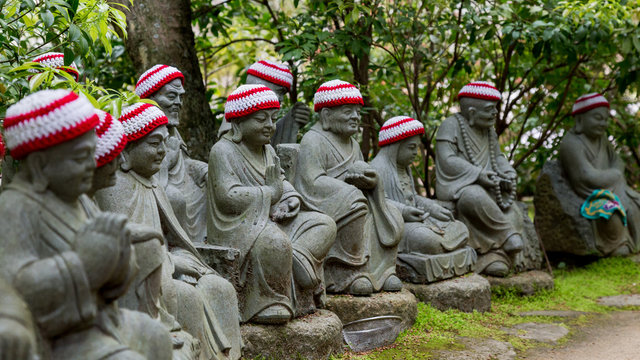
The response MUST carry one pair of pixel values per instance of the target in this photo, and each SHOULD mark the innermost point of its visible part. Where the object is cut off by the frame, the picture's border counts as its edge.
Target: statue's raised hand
(274, 182)
(487, 179)
(301, 113)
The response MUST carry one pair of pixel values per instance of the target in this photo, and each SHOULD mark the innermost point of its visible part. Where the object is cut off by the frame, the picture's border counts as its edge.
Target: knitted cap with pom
(56, 60)
(111, 138)
(47, 118)
(248, 99)
(141, 119)
(155, 78)
(480, 90)
(398, 128)
(587, 102)
(336, 93)
(272, 72)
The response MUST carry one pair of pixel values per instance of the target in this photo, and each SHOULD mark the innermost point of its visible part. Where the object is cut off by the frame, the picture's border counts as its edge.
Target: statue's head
(111, 141)
(273, 75)
(52, 133)
(338, 105)
(164, 85)
(478, 103)
(251, 110)
(591, 113)
(403, 133)
(145, 126)
(56, 60)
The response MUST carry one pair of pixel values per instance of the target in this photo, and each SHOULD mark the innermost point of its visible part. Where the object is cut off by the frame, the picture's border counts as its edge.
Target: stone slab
(525, 283)
(351, 308)
(554, 313)
(315, 336)
(478, 349)
(224, 260)
(546, 333)
(468, 293)
(620, 300)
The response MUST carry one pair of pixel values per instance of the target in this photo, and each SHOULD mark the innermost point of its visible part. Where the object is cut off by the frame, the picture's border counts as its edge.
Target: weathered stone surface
(530, 258)
(526, 283)
(288, 154)
(546, 333)
(224, 260)
(350, 308)
(620, 300)
(428, 268)
(316, 336)
(466, 293)
(554, 313)
(478, 349)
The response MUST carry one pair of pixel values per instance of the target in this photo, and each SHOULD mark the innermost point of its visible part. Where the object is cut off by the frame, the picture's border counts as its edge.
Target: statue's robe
(456, 181)
(239, 217)
(15, 313)
(184, 182)
(206, 307)
(368, 230)
(583, 161)
(286, 130)
(37, 258)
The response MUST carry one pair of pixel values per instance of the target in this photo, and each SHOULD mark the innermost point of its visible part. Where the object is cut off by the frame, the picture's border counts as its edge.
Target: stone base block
(526, 283)
(467, 294)
(423, 269)
(351, 308)
(315, 336)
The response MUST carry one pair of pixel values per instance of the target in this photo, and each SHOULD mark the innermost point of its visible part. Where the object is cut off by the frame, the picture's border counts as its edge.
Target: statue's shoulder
(449, 129)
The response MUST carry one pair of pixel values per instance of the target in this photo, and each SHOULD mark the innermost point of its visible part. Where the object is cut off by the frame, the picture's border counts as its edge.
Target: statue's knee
(424, 241)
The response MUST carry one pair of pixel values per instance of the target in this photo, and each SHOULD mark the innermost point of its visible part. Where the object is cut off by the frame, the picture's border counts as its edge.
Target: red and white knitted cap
(248, 99)
(111, 138)
(480, 90)
(56, 60)
(272, 72)
(155, 78)
(47, 118)
(140, 119)
(398, 128)
(336, 93)
(2, 149)
(587, 102)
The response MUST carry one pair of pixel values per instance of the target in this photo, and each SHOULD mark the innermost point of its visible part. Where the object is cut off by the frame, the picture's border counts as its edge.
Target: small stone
(526, 283)
(478, 349)
(316, 336)
(620, 300)
(466, 293)
(554, 313)
(546, 333)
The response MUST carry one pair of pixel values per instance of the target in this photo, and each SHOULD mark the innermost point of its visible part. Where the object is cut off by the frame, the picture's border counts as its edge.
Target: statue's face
(344, 119)
(69, 166)
(407, 151)
(595, 122)
(169, 97)
(280, 90)
(258, 128)
(144, 156)
(482, 113)
(105, 176)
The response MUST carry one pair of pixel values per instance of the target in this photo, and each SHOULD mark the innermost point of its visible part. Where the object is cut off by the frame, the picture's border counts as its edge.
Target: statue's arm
(580, 171)
(198, 170)
(452, 164)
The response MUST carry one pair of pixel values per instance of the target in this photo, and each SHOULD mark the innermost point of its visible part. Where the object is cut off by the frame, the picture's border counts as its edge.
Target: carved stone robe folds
(368, 229)
(456, 180)
(207, 307)
(15, 310)
(239, 217)
(582, 160)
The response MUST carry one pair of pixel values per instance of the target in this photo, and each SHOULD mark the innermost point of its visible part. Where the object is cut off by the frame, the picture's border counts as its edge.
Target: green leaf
(74, 33)
(73, 7)
(47, 18)
(37, 80)
(68, 56)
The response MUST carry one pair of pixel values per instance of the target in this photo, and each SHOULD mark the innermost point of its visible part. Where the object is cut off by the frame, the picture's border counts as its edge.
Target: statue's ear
(125, 165)
(578, 127)
(236, 134)
(471, 115)
(324, 119)
(34, 164)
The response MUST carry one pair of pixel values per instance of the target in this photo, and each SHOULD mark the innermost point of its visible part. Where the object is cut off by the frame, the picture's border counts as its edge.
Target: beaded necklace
(493, 141)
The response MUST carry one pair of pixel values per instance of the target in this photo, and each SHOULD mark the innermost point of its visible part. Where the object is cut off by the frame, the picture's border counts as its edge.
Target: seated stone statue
(588, 162)
(201, 301)
(472, 173)
(183, 178)
(17, 334)
(433, 246)
(252, 208)
(68, 265)
(279, 79)
(332, 177)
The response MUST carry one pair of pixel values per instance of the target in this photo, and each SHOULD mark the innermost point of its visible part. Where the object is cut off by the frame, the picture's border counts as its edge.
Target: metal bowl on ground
(370, 333)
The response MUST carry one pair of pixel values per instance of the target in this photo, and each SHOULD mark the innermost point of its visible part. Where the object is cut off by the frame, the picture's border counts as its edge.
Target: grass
(575, 289)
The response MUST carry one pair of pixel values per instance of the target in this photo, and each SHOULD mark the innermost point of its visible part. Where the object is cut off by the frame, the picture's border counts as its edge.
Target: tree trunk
(159, 32)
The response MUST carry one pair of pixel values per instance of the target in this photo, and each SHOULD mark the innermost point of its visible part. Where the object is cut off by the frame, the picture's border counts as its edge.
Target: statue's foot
(392, 284)
(514, 244)
(621, 251)
(361, 287)
(303, 273)
(497, 268)
(273, 315)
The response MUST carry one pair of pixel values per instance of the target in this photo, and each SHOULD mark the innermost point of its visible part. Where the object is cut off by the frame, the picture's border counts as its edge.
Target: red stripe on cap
(587, 98)
(483, 85)
(479, 96)
(13, 120)
(338, 102)
(404, 135)
(111, 155)
(274, 104)
(166, 80)
(47, 57)
(148, 75)
(274, 66)
(105, 125)
(590, 107)
(159, 121)
(126, 117)
(269, 78)
(339, 86)
(245, 94)
(397, 124)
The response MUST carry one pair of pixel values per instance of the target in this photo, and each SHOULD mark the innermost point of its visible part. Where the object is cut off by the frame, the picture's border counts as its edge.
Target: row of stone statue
(106, 221)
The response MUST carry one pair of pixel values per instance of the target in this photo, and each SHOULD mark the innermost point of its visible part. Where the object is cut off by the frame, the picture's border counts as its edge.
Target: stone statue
(279, 79)
(183, 178)
(433, 246)
(17, 334)
(253, 209)
(589, 162)
(472, 173)
(332, 177)
(201, 301)
(69, 266)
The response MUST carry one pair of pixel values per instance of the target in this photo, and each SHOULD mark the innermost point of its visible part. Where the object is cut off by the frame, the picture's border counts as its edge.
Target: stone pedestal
(526, 283)
(423, 268)
(315, 336)
(351, 308)
(467, 293)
